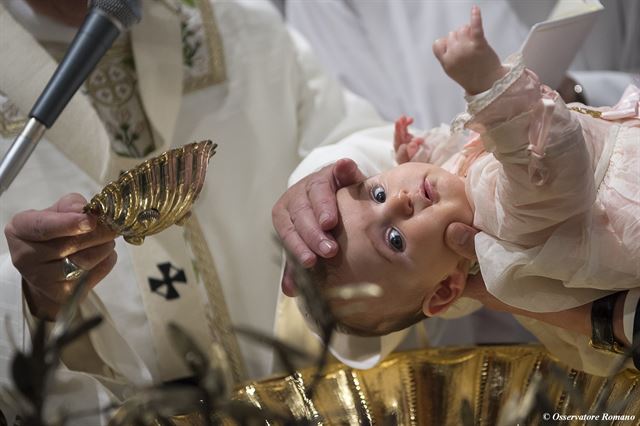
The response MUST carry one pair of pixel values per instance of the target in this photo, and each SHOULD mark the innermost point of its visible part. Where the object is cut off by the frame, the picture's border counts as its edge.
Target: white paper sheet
(551, 45)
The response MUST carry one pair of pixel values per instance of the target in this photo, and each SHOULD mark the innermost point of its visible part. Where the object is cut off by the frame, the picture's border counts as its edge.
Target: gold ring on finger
(70, 270)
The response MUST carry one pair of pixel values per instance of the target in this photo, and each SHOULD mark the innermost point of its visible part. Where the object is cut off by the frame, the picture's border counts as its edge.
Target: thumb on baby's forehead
(346, 172)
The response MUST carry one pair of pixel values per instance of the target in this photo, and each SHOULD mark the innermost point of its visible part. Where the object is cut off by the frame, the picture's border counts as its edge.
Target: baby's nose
(401, 204)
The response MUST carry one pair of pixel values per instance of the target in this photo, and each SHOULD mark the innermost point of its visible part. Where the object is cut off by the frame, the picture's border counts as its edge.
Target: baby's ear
(447, 292)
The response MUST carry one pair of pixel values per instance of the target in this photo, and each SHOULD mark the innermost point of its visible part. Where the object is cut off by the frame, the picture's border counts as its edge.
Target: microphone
(104, 22)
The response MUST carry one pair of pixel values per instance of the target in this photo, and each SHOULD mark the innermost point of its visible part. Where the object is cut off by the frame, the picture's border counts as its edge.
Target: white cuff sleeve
(371, 149)
(364, 352)
(356, 351)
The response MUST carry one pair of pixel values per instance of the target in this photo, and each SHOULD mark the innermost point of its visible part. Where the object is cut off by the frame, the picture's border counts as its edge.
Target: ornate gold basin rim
(429, 387)
(155, 194)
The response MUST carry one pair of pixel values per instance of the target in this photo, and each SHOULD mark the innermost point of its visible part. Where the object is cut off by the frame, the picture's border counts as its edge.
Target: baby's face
(392, 233)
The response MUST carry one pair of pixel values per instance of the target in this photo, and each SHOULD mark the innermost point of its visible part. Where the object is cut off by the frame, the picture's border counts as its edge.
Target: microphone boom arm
(94, 38)
(96, 35)
(20, 151)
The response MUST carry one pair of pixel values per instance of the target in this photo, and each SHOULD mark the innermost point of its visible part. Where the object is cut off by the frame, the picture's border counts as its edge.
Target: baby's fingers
(414, 146)
(464, 32)
(440, 48)
(398, 140)
(401, 135)
(476, 23)
(401, 154)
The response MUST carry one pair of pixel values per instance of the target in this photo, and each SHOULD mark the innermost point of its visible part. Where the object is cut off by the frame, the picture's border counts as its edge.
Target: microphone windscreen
(125, 12)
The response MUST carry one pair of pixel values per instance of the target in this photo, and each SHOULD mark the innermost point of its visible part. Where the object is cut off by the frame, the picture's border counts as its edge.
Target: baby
(556, 193)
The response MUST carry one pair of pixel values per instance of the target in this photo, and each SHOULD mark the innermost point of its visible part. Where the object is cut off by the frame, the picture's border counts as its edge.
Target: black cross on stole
(167, 280)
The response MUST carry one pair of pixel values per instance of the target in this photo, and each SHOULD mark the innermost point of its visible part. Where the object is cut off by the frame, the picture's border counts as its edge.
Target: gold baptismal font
(481, 385)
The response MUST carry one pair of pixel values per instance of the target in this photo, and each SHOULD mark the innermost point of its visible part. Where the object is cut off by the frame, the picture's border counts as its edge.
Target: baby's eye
(395, 240)
(378, 194)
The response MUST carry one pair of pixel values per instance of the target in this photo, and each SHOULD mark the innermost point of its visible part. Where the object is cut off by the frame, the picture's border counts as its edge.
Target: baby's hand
(404, 143)
(467, 57)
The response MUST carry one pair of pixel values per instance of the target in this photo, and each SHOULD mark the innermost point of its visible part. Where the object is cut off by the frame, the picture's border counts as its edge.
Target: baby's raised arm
(541, 155)
(467, 57)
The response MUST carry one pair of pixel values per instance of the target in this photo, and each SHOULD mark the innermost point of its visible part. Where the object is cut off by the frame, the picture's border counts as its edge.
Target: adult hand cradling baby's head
(458, 236)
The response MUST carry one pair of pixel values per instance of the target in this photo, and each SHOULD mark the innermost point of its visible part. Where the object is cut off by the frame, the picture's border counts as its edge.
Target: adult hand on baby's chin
(460, 238)
(306, 211)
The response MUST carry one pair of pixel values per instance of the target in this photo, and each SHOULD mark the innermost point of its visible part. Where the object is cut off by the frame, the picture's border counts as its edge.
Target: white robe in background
(382, 50)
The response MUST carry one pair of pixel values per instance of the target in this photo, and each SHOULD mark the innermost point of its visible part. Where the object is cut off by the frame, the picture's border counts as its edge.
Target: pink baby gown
(558, 202)
(559, 198)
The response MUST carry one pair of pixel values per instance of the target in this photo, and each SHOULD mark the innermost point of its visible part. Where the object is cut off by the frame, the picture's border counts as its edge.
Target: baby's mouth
(425, 200)
(430, 192)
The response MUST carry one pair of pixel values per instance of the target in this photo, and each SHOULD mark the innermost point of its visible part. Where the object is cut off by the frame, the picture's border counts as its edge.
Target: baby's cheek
(459, 206)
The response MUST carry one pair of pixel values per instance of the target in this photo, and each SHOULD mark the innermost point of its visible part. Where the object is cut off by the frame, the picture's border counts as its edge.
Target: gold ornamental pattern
(155, 194)
(439, 386)
(202, 50)
(11, 120)
(112, 88)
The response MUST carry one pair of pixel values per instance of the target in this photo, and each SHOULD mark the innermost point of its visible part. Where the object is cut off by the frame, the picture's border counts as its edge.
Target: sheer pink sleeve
(543, 175)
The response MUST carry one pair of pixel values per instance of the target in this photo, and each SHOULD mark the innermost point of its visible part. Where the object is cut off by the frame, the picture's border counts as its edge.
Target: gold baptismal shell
(155, 194)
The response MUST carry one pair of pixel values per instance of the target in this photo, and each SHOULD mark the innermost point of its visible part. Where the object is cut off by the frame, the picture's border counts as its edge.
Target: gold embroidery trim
(587, 111)
(221, 326)
(9, 127)
(11, 121)
(217, 68)
(120, 48)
